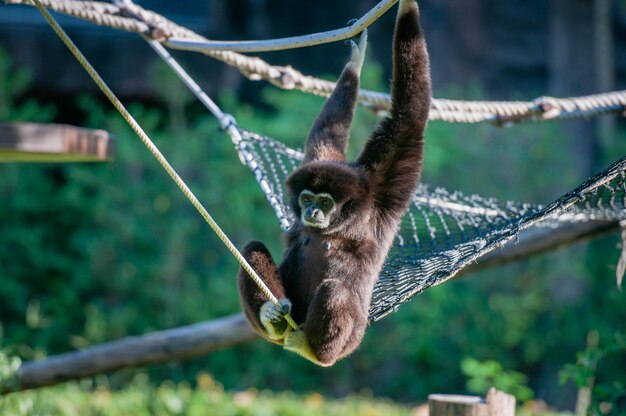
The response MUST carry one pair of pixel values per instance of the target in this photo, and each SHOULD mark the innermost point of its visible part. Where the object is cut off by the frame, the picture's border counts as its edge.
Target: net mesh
(442, 231)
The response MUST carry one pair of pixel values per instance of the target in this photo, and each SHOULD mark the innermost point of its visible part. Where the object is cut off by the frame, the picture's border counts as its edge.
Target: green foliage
(606, 393)
(94, 252)
(501, 162)
(486, 374)
(170, 399)
(9, 367)
(13, 85)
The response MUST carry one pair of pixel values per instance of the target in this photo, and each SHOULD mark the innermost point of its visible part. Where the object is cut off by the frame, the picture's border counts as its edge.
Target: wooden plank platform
(56, 143)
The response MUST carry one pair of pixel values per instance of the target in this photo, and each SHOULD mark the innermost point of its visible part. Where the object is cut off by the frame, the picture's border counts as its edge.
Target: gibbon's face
(317, 209)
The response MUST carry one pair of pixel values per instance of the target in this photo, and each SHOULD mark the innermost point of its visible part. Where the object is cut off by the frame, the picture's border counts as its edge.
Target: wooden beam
(157, 347)
(32, 142)
(540, 240)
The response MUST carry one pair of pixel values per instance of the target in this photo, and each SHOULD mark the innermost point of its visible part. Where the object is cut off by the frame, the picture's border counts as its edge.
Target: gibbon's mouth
(314, 224)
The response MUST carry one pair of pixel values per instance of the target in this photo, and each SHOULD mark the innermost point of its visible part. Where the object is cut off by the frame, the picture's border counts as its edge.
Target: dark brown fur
(329, 274)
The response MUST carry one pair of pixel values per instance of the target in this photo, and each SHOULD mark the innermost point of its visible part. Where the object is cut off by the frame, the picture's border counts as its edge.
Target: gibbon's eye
(326, 203)
(305, 199)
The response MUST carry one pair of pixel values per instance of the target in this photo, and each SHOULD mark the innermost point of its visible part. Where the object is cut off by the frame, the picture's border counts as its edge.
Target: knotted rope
(133, 18)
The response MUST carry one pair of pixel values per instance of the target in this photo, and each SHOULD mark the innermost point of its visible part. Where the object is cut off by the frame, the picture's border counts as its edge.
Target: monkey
(348, 212)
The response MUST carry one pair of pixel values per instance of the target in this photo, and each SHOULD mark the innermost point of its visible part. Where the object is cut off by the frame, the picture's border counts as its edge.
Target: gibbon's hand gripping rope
(159, 156)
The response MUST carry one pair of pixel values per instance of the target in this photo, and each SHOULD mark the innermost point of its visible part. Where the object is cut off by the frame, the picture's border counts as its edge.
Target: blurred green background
(94, 252)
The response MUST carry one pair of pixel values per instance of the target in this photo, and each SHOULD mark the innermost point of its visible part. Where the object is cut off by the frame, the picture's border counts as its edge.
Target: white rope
(159, 156)
(293, 42)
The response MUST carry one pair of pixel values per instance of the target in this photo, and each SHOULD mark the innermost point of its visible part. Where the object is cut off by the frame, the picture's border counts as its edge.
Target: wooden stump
(32, 142)
(497, 403)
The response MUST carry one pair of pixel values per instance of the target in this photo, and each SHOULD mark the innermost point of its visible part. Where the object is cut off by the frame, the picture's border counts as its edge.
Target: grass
(206, 398)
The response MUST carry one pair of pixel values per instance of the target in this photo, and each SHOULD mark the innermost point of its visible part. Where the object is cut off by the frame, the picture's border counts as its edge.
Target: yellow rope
(158, 155)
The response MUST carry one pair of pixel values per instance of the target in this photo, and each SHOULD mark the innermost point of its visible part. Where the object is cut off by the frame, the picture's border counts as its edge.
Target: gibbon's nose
(313, 213)
(318, 214)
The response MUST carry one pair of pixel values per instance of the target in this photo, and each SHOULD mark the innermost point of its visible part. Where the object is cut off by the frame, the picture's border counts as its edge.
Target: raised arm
(328, 138)
(394, 153)
(411, 90)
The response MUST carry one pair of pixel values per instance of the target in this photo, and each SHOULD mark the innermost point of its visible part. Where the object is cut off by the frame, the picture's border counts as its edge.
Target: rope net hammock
(443, 231)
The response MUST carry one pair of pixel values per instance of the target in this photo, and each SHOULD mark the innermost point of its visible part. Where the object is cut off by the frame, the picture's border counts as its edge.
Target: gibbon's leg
(328, 138)
(265, 317)
(333, 328)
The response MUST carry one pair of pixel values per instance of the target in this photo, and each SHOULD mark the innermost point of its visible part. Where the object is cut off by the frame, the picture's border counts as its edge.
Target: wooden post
(32, 142)
(497, 403)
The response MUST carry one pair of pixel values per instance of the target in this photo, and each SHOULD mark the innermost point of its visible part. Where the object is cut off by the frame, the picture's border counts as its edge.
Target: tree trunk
(580, 63)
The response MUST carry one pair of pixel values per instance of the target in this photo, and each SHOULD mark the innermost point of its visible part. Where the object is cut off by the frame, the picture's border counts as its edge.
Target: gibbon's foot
(296, 341)
(273, 319)
(357, 55)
